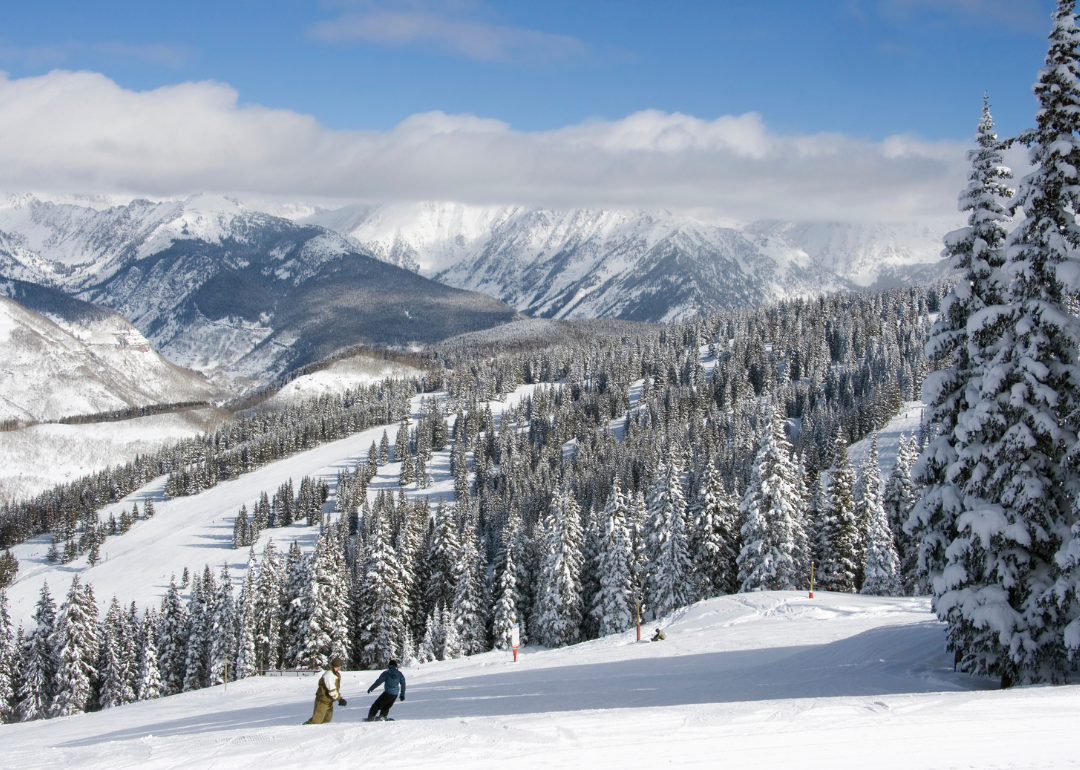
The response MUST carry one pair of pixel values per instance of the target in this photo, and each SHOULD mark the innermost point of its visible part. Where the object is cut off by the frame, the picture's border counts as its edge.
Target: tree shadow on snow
(883, 661)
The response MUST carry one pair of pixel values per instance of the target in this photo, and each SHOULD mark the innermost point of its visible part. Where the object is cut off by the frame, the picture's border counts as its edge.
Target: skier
(659, 636)
(329, 691)
(392, 680)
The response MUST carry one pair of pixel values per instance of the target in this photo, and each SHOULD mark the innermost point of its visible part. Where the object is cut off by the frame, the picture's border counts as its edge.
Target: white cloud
(81, 132)
(473, 39)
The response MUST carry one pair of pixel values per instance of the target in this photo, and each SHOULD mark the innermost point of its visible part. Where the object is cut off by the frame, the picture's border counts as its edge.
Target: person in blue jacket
(393, 683)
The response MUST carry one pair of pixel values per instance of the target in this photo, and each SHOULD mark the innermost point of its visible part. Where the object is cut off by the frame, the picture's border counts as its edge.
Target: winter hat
(336, 663)
(393, 664)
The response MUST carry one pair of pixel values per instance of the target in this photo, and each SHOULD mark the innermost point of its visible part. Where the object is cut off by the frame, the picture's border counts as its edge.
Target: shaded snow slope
(338, 377)
(767, 680)
(100, 364)
(39, 457)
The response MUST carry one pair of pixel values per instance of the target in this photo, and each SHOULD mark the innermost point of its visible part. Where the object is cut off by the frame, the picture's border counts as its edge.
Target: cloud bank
(81, 132)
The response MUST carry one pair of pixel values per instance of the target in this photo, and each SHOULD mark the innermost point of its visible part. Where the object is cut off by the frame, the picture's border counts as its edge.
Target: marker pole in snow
(811, 580)
(637, 606)
(515, 639)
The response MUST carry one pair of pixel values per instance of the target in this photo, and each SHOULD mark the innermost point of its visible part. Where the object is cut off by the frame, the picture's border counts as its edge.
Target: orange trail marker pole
(811, 580)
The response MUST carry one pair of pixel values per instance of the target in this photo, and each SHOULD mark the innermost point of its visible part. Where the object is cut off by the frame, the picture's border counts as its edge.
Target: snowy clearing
(35, 459)
(765, 680)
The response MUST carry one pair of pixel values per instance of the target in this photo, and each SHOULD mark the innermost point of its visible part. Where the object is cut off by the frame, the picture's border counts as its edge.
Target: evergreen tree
(668, 584)
(223, 635)
(41, 662)
(469, 607)
(713, 542)
(297, 611)
(326, 630)
(77, 645)
(1000, 557)
(384, 600)
(899, 500)
(246, 661)
(149, 675)
(881, 573)
(172, 641)
(148, 508)
(268, 610)
(9, 657)
(772, 515)
(507, 596)
(613, 606)
(559, 601)
(839, 533)
(110, 666)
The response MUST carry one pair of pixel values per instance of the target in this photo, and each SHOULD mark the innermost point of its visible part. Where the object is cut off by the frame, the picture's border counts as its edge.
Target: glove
(370, 689)
(342, 702)
(403, 696)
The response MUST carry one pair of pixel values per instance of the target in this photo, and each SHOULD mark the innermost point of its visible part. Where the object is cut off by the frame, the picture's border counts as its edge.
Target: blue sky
(867, 68)
(864, 69)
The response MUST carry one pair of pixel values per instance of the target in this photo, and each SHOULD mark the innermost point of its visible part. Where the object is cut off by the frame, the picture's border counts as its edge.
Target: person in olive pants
(393, 683)
(327, 695)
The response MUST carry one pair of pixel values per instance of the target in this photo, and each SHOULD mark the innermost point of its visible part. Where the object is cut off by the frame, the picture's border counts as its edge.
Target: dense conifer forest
(641, 470)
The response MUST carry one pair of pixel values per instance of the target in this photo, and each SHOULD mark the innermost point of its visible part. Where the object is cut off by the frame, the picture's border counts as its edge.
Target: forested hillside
(642, 466)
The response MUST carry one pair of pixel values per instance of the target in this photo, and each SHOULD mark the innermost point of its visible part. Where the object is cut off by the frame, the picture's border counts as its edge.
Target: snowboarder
(659, 636)
(328, 693)
(392, 681)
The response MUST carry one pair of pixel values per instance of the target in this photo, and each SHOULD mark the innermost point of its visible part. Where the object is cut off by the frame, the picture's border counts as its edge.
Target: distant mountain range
(635, 265)
(229, 291)
(67, 357)
(244, 295)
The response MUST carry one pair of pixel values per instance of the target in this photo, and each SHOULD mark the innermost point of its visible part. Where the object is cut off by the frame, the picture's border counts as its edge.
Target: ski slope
(197, 530)
(766, 680)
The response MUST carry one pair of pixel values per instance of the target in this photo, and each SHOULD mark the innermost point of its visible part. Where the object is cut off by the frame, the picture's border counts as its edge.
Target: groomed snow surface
(755, 680)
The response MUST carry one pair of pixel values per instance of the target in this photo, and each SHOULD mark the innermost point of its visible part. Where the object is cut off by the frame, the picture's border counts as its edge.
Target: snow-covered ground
(906, 424)
(38, 458)
(339, 377)
(197, 530)
(767, 680)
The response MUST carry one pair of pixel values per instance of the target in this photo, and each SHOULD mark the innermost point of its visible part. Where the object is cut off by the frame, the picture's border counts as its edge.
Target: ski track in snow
(769, 680)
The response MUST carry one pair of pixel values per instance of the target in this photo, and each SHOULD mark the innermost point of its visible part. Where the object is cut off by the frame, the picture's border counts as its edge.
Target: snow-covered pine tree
(1021, 483)
(296, 608)
(613, 606)
(881, 573)
(200, 634)
(669, 581)
(40, 662)
(246, 663)
(149, 675)
(772, 514)
(383, 612)
(110, 665)
(268, 610)
(558, 592)
(172, 641)
(148, 508)
(451, 644)
(839, 535)
(241, 536)
(77, 645)
(326, 628)
(9, 657)
(469, 609)
(899, 500)
(980, 296)
(441, 555)
(713, 544)
(223, 633)
(507, 597)
(384, 449)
